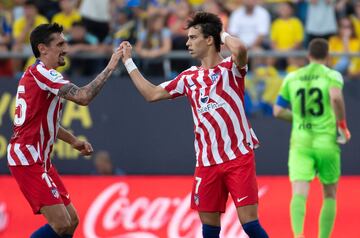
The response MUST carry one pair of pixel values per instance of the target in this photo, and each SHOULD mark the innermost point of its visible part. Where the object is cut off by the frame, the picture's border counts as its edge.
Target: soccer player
(39, 100)
(314, 93)
(224, 140)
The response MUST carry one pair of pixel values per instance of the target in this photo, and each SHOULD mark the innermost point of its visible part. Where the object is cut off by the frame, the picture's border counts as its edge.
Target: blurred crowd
(156, 27)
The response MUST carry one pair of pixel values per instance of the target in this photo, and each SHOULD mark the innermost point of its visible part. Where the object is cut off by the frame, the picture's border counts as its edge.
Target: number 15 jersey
(307, 90)
(37, 114)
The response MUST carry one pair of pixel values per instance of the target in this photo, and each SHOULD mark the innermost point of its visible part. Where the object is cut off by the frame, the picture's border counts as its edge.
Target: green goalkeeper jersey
(307, 90)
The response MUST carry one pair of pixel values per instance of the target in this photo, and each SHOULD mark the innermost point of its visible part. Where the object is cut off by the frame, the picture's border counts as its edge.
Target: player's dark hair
(318, 48)
(210, 25)
(42, 34)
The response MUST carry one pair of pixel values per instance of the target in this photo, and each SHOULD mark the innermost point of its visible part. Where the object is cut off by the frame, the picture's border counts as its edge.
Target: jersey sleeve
(229, 64)
(48, 79)
(283, 98)
(175, 87)
(284, 90)
(336, 80)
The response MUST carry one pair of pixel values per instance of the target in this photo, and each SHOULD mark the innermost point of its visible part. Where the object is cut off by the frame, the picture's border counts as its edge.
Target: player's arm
(84, 147)
(237, 48)
(149, 91)
(338, 105)
(84, 95)
(281, 110)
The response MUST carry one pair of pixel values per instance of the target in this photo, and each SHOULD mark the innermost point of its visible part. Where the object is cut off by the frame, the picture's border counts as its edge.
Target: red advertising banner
(158, 207)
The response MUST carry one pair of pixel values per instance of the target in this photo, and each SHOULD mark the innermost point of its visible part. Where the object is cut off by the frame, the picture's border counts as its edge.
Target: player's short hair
(42, 34)
(318, 48)
(210, 25)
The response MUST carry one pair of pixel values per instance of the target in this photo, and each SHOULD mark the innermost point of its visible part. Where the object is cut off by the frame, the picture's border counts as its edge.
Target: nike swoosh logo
(240, 199)
(191, 85)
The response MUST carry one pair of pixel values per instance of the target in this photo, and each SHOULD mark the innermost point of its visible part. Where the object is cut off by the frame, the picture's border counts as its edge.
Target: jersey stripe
(33, 152)
(242, 117)
(20, 155)
(11, 161)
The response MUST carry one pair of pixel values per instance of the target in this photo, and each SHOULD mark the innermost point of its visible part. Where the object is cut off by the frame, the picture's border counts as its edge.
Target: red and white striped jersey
(37, 114)
(222, 131)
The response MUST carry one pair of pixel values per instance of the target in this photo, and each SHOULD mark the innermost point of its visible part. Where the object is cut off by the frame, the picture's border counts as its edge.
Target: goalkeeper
(314, 93)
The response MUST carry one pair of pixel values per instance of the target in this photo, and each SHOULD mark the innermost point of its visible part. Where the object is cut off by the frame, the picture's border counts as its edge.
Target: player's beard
(61, 60)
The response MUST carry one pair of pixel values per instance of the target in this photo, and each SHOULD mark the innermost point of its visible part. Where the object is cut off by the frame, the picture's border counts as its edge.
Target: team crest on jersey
(55, 192)
(214, 77)
(196, 200)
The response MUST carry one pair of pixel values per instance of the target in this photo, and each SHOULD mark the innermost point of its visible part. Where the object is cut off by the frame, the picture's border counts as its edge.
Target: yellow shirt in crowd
(66, 20)
(19, 26)
(336, 45)
(356, 23)
(285, 33)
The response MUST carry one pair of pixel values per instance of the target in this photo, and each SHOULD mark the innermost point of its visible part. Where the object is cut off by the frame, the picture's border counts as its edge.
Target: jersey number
(20, 112)
(317, 96)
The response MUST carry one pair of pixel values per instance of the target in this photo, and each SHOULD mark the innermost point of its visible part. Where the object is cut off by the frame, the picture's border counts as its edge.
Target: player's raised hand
(84, 147)
(344, 133)
(126, 50)
(116, 56)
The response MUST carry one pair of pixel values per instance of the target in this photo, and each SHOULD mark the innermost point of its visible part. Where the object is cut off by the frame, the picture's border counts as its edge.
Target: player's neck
(211, 60)
(313, 61)
(47, 63)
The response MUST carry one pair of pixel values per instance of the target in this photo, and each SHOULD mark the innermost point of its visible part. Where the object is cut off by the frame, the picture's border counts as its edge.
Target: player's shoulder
(39, 69)
(190, 71)
(334, 75)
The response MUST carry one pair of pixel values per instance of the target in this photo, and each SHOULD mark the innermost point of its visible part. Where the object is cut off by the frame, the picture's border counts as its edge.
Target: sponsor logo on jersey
(205, 105)
(203, 98)
(55, 74)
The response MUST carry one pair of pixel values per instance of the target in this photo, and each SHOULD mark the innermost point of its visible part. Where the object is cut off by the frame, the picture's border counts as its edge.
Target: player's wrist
(342, 124)
(130, 65)
(223, 36)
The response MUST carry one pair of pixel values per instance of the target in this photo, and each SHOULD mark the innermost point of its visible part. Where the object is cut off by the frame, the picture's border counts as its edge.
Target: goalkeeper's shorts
(305, 163)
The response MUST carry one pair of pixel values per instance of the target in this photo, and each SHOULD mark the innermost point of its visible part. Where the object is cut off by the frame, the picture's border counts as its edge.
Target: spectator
(250, 23)
(355, 18)
(18, 9)
(96, 17)
(22, 28)
(321, 20)
(287, 33)
(104, 166)
(177, 22)
(80, 40)
(152, 43)
(5, 37)
(343, 8)
(124, 26)
(216, 7)
(268, 82)
(68, 15)
(345, 42)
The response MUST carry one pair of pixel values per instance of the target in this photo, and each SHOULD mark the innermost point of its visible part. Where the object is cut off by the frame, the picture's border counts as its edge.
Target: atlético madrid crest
(196, 199)
(55, 192)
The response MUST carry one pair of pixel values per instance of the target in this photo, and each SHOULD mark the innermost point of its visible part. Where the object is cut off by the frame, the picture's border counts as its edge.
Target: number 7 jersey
(37, 114)
(307, 90)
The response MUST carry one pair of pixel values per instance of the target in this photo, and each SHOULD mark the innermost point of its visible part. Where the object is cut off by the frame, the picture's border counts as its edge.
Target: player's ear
(42, 49)
(210, 40)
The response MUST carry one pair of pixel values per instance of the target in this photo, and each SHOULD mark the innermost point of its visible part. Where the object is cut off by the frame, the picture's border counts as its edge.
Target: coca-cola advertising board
(158, 207)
